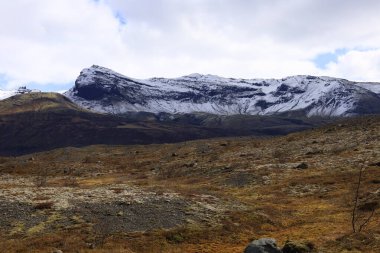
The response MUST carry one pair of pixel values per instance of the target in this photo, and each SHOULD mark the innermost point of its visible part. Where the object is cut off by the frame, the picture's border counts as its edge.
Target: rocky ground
(199, 196)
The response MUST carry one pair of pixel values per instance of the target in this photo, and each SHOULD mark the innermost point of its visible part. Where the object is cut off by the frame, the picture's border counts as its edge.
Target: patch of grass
(36, 229)
(175, 238)
(17, 228)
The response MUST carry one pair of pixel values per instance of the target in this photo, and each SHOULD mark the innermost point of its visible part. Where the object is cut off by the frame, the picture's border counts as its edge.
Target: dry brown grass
(264, 194)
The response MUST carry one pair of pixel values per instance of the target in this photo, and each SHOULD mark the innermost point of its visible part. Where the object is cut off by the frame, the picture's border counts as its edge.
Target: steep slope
(103, 90)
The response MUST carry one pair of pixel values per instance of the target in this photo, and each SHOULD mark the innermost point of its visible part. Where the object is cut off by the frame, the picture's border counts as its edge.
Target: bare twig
(365, 223)
(357, 221)
(356, 199)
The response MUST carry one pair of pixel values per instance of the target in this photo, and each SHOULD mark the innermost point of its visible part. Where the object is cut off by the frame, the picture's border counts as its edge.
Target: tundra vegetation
(320, 187)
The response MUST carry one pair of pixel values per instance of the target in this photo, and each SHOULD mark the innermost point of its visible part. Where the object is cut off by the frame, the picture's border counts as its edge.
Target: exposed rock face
(263, 245)
(103, 90)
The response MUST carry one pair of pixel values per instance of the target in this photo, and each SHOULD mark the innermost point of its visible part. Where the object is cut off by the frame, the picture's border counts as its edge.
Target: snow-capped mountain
(9, 93)
(103, 90)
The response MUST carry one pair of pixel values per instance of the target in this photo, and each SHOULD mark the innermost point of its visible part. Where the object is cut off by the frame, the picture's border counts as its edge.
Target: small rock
(263, 245)
(174, 154)
(191, 164)
(297, 247)
(57, 251)
(302, 166)
(375, 164)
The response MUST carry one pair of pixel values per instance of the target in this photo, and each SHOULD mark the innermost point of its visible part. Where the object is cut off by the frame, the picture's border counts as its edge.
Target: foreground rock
(263, 245)
(297, 247)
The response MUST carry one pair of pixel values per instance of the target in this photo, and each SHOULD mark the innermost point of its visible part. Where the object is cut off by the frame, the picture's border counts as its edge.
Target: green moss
(41, 226)
(18, 228)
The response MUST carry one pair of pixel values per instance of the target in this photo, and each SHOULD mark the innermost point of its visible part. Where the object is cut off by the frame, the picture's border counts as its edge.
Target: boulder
(263, 245)
(302, 166)
(297, 247)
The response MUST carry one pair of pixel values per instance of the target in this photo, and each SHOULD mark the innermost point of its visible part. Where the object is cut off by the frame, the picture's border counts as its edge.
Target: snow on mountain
(6, 94)
(103, 90)
(374, 87)
(9, 93)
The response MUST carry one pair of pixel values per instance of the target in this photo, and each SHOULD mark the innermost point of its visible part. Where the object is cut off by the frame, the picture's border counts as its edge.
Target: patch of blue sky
(117, 14)
(3, 80)
(322, 60)
(121, 18)
(50, 87)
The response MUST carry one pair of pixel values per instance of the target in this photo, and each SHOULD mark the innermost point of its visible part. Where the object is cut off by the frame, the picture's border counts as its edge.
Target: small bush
(44, 205)
(175, 238)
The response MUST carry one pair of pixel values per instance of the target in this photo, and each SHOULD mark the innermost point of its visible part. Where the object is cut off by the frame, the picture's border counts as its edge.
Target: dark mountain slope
(43, 121)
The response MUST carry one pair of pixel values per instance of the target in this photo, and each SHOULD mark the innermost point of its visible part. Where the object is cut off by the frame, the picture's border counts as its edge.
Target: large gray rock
(263, 245)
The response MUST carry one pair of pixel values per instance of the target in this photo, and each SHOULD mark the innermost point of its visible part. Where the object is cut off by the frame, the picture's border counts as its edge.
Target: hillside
(37, 102)
(197, 196)
(42, 121)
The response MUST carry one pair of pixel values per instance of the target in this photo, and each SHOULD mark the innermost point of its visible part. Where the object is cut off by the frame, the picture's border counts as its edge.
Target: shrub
(44, 205)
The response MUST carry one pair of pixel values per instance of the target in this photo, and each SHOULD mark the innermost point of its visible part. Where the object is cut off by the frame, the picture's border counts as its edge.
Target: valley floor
(197, 196)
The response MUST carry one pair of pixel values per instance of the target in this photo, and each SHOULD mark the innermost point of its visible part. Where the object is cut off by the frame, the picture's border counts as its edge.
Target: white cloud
(50, 41)
(245, 38)
(357, 65)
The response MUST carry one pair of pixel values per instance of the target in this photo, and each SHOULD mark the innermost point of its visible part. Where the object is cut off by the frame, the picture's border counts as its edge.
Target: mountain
(103, 90)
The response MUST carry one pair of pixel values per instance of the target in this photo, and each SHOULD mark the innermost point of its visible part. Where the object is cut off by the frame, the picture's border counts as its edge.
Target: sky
(44, 44)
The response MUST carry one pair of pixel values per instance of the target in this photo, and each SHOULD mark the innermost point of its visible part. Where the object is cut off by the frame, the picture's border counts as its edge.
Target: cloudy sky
(46, 43)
